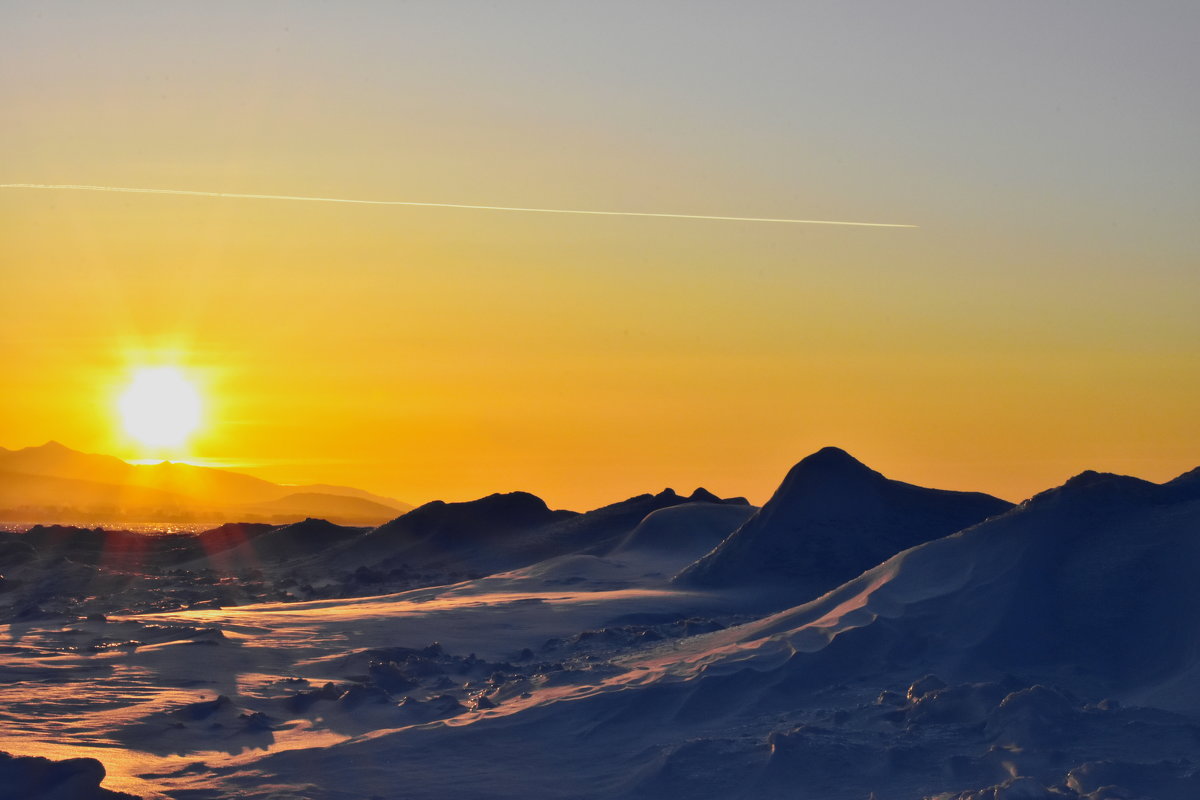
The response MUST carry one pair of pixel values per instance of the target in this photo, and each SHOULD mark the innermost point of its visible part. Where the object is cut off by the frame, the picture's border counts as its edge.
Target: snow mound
(691, 529)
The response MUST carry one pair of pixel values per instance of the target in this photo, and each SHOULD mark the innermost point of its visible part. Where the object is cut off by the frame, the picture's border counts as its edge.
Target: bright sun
(160, 407)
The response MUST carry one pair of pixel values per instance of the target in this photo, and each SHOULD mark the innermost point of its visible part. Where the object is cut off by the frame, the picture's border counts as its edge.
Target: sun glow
(160, 407)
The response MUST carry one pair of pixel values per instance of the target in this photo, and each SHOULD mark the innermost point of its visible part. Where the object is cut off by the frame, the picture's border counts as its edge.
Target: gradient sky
(1042, 320)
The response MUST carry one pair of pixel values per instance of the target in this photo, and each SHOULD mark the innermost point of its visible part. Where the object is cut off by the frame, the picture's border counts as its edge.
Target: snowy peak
(830, 481)
(832, 518)
(833, 460)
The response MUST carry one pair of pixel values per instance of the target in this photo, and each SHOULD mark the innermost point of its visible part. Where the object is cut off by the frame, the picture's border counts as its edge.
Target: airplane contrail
(241, 196)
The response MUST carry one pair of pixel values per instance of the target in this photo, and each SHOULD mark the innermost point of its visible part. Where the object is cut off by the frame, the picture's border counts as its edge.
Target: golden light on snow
(160, 407)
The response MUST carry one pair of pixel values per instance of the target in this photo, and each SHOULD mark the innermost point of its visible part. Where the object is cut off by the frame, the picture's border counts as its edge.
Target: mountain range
(55, 483)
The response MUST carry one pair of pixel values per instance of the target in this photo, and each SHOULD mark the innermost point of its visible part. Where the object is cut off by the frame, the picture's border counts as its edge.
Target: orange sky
(1042, 320)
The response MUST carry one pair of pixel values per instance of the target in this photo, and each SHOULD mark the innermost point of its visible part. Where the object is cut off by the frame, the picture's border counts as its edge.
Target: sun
(160, 407)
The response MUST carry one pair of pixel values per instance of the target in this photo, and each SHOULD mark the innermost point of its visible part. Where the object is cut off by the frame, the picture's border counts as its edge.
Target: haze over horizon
(1041, 320)
(77, 468)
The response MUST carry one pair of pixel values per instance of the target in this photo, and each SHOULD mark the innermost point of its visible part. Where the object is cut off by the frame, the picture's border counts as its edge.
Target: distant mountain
(832, 518)
(203, 484)
(54, 482)
(18, 490)
(325, 506)
(348, 491)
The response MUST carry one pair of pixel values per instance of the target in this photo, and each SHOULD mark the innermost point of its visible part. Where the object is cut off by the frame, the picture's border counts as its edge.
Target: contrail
(240, 196)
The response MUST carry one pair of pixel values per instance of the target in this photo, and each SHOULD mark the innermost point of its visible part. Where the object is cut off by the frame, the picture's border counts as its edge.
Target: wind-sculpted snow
(1047, 652)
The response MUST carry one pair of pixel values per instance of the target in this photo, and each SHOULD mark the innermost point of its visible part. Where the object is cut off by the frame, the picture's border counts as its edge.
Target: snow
(1049, 650)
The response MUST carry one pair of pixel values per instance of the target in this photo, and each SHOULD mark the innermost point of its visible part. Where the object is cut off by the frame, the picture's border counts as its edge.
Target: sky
(1040, 320)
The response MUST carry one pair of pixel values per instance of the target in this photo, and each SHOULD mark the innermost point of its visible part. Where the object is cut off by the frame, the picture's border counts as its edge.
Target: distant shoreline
(136, 527)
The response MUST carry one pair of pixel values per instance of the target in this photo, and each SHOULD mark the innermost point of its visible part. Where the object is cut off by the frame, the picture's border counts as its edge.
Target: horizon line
(462, 206)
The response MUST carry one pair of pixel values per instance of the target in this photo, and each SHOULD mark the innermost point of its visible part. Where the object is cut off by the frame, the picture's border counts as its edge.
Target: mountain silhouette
(830, 519)
(56, 483)
(471, 533)
(506, 531)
